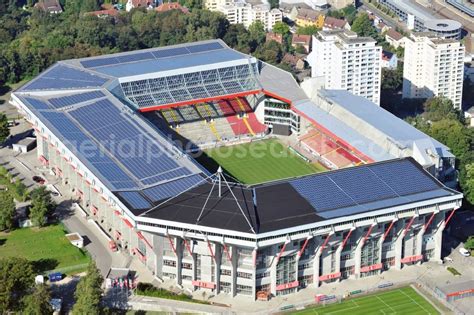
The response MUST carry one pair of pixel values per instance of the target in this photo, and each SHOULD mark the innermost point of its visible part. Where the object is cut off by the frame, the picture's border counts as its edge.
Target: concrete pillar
(358, 255)
(157, 242)
(235, 259)
(438, 236)
(179, 259)
(273, 271)
(217, 270)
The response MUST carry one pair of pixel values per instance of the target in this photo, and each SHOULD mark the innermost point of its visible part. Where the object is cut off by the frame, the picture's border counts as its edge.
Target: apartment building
(348, 62)
(241, 12)
(433, 67)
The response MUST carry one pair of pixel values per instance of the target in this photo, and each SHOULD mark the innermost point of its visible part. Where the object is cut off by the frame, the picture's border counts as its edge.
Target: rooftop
(314, 198)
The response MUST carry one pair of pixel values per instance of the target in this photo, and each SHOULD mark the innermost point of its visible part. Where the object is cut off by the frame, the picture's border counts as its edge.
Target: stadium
(219, 173)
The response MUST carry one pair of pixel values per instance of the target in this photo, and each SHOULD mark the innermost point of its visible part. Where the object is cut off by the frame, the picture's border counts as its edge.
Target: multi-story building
(162, 207)
(348, 62)
(307, 17)
(433, 67)
(420, 19)
(241, 12)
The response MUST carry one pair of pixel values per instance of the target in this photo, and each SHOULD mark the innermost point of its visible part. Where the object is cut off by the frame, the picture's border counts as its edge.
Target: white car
(464, 252)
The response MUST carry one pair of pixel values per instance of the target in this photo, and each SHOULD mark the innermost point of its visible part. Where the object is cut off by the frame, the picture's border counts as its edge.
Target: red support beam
(429, 221)
(407, 228)
(210, 250)
(449, 217)
(227, 253)
(300, 253)
(368, 234)
(172, 244)
(389, 229)
(346, 238)
(186, 244)
(281, 252)
(325, 242)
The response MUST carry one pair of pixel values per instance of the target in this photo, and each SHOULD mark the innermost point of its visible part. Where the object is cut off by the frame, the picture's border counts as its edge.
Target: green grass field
(400, 301)
(47, 247)
(259, 162)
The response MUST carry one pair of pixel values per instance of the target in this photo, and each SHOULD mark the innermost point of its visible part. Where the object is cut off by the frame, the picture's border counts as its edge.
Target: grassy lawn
(399, 301)
(47, 247)
(259, 162)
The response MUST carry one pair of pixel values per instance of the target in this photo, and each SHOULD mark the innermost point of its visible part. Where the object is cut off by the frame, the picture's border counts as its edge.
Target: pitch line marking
(415, 301)
(380, 299)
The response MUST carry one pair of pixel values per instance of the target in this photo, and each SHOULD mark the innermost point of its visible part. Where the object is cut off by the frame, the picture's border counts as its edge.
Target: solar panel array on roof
(37, 104)
(60, 102)
(62, 77)
(135, 200)
(138, 153)
(158, 54)
(172, 188)
(88, 148)
(364, 184)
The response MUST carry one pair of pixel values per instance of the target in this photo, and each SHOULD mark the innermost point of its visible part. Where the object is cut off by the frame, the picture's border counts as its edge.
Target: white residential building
(241, 12)
(432, 67)
(348, 62)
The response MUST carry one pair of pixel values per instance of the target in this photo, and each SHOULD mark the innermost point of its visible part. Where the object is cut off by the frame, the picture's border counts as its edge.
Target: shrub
(149, 289)
(453, 271)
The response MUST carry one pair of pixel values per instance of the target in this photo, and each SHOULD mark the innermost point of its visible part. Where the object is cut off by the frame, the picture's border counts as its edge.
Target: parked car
(55, 276)
(464, 252)
(38, 179)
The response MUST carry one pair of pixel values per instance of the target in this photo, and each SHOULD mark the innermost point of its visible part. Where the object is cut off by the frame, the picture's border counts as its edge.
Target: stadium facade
(383, 211)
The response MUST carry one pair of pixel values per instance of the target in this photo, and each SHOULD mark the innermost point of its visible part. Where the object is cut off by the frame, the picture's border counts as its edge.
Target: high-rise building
(348, 62)
(432, 67)
(241, 12)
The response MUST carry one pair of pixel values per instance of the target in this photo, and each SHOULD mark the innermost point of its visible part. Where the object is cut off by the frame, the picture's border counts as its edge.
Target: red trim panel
(411, 259)
(196, 101)
(460, 292)
(450, 216)
(288, 285)
(371, 267)
(278, 97)
(204, 284)
(330, 276)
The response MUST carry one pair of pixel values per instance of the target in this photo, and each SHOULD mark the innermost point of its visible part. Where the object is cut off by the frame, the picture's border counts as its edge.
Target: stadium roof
(312, 198)
(388, 124)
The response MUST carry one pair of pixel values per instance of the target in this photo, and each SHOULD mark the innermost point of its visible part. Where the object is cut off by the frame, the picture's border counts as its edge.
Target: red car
(38, 179)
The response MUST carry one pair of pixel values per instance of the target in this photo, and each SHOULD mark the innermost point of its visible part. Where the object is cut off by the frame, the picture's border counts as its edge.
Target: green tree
(270, 52)
(469, 244)
(43, 194)
(281, 28)
(16, 277)
(88, 292)
(39, 212)
(257, 34)
(363, 26)
(21, 190)
(307, 30)
(392, 79)
(349, 13)
(439, 107)
(7, 210)
(38, 302)
(4, 129)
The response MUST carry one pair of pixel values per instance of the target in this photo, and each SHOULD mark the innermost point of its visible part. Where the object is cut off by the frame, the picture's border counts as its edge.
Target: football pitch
(258, 162)
(400, 301)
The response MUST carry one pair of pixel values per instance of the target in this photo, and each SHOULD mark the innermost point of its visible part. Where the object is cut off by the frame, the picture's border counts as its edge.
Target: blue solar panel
(135, 199)
(37, 104)
(88, 149)
(362, 185)
(92, 63)
(172, 188)
(62, 77)
(135, 57)
(139, 154)
(404, 178)
(167, 176)
(204, 47)
(321, 192)
(75, 99)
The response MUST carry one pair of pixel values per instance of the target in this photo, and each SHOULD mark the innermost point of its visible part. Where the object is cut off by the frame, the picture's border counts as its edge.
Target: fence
(430, 288)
